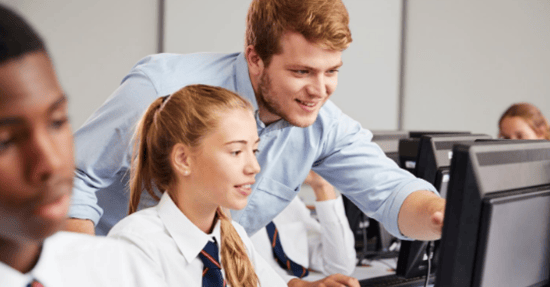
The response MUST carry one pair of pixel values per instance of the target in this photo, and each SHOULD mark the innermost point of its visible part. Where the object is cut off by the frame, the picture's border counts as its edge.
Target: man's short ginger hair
(324, 22)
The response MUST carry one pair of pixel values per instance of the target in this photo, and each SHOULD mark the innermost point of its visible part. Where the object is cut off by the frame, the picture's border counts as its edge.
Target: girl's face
(224, 166)
(517, 128)
(36, 149)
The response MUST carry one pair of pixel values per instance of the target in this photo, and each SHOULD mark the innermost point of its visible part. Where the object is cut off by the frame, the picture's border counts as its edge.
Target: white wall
(467, 61)
(93, 44)
(368, 86)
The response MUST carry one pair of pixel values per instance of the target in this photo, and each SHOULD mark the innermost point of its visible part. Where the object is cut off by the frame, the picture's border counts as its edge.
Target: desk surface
(377, 268)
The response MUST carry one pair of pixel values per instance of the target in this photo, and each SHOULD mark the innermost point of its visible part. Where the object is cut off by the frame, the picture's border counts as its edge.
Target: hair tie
(165, 98)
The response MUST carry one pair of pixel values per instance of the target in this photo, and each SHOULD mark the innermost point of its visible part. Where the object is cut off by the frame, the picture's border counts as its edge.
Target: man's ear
(255, 63)
(180, 159)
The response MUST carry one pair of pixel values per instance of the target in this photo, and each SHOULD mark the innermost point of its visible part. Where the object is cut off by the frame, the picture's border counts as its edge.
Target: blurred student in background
(523, 121)
(36, 179)
(325, 245)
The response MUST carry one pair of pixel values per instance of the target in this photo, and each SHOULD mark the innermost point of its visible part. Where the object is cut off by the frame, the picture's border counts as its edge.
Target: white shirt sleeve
(331, 243)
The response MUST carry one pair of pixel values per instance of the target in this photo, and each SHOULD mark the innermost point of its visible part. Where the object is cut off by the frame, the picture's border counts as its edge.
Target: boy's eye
(7, 139)
(5, 144)
(59, 123)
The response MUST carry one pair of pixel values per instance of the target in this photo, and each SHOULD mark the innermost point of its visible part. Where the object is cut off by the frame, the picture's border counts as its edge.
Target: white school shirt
(172, 242)
(73, 259)
(326, 246)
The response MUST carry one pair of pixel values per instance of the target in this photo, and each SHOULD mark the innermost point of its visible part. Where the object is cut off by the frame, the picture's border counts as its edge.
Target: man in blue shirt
(288, 70)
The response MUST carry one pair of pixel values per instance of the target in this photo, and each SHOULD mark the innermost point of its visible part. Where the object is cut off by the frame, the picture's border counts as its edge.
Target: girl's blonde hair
(187, 116)
(531, 115)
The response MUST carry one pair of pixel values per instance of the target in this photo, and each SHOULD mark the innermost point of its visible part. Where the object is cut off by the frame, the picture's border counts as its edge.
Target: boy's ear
(180, 159)
(255, 63)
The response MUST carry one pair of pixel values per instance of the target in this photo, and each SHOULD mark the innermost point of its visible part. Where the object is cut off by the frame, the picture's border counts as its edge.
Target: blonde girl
(197, 147)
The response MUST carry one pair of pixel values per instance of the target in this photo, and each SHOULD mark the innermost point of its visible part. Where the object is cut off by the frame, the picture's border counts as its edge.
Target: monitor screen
(408, 147)
(432, 164)
(497, 217)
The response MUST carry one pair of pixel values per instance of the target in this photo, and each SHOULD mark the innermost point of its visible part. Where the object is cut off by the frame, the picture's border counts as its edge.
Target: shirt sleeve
(331, 245)
(103, 145)
(358, 168)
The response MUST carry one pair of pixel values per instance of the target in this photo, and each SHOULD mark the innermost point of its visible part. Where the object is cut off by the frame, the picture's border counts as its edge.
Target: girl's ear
(180, 159)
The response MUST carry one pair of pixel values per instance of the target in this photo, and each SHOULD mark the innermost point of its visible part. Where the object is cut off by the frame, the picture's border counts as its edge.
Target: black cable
(430, 253)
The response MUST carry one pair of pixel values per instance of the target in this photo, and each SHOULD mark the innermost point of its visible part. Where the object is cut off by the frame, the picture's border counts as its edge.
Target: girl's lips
(244, 189)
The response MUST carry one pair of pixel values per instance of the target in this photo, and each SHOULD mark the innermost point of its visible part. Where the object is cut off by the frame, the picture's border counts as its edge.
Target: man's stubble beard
(265, 94)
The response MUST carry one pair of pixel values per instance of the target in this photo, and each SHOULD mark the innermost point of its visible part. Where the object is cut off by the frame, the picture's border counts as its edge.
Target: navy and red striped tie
(35, 283)
(211, 273)
(280, 256)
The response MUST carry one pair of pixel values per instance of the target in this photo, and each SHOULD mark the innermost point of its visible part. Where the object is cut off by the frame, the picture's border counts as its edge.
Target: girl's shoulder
(143, 222)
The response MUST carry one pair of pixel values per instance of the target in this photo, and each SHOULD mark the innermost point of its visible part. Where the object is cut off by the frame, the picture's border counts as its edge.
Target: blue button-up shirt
(335, 146)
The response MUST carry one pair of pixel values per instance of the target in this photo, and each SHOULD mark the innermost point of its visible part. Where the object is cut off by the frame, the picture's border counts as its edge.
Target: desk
(376, 268)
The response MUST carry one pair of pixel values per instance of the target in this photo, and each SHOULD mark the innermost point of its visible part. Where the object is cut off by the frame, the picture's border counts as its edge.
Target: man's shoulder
(169, 72)
(331, 116)
(170, 63)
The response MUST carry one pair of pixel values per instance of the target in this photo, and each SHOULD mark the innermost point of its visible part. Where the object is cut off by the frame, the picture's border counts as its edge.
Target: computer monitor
(432, 164)
(366, 230)
(389, 142)
(408, 147)
(434, 157)
(497, 217)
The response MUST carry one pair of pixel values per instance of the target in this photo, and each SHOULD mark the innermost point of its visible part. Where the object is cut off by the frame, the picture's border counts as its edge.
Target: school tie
(280, 256)
(211, 273)
(35, 283)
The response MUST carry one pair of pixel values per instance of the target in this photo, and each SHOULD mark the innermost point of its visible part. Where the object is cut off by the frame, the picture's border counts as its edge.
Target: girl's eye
(256, 152)
(235, 153)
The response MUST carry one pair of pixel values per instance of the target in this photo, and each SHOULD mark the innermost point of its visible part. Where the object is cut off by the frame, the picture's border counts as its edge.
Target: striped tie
(211, 273)
(35, 283)
(280, 256)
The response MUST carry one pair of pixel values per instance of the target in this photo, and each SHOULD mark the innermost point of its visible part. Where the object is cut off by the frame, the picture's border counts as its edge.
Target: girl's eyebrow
(241, 141)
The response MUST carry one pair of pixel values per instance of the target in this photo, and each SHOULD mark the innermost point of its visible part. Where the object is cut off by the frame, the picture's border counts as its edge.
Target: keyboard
(395, 281)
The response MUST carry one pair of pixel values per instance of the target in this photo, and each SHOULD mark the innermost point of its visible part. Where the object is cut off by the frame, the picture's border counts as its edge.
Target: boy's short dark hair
(17, 37)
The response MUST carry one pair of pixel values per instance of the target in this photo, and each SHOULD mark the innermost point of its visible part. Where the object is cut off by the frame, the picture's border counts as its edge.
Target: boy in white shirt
(36, 179)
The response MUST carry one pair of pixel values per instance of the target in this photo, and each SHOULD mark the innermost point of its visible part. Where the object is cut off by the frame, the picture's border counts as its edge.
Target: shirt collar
(12, 277)
(45, 271)
(188, 237)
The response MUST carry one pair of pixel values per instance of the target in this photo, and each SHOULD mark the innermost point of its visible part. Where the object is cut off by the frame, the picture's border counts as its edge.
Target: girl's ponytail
(238, 268)
(141, 176)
